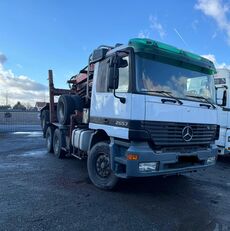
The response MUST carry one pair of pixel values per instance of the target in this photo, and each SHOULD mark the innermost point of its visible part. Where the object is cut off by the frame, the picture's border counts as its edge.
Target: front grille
(170, 134)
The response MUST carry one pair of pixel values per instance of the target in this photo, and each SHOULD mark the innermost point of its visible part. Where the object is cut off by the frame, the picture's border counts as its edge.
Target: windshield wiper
(201, 97)
(167, 93)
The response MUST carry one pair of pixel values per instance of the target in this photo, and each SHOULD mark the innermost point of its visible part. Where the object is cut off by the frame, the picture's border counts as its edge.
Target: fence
(15, 121)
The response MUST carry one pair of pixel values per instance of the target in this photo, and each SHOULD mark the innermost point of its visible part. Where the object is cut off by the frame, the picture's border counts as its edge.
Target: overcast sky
(39, 35)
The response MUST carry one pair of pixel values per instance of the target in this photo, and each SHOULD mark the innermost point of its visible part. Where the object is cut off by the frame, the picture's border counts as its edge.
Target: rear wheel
(58, 144)
(49, 138)
(99, 168)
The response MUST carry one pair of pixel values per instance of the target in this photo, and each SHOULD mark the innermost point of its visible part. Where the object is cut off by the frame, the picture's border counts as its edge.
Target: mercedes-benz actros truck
(136, 110)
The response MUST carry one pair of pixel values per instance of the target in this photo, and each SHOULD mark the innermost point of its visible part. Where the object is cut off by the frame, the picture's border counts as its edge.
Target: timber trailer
(135, 110)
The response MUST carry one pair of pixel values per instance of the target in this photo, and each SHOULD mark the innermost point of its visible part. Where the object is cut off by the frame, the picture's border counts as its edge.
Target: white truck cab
(161, 112)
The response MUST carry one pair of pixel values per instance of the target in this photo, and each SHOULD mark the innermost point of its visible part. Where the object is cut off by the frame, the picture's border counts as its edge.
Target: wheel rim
(48, 141)
(56, 145)
(102, 165)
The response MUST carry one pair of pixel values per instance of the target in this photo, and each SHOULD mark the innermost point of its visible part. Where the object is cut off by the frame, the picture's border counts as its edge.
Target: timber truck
(135, 110)
(222, 83)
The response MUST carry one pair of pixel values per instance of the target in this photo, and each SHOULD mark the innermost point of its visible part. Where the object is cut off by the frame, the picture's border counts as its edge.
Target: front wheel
(99, 168)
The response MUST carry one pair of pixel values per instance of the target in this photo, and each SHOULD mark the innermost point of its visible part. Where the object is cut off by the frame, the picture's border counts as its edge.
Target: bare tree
(19, 106)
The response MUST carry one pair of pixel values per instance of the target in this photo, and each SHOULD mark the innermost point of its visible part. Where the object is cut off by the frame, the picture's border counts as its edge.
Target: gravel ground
(40, 192)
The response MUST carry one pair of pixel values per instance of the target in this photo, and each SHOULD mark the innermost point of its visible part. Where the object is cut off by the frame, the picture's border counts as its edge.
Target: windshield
(152, 77)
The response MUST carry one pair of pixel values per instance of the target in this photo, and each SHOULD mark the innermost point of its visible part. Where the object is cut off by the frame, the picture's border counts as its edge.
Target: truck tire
(57, 144)
(98, 165)
(45, 119)
(49, 138)
(65, 108)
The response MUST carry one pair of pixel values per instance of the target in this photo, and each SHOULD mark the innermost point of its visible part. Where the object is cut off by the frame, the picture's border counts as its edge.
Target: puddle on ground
(38, 153)
(32, 153)
(12, 165)
(29, 134)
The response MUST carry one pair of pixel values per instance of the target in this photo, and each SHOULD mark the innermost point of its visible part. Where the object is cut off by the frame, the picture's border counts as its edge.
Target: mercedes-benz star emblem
(187, 133)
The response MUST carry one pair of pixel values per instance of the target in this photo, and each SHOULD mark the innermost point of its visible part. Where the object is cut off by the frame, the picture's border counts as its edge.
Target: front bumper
(223, 150)
(168, 163)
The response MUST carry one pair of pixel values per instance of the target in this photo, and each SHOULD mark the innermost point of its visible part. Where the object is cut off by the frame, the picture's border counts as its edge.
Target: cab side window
(102, 82)
(124, 75)
(102, 76)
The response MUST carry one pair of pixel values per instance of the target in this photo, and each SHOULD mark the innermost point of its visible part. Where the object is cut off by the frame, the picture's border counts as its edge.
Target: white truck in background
(222, 83)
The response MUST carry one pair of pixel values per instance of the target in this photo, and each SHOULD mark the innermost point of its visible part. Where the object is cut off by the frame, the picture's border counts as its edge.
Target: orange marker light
(132, 157)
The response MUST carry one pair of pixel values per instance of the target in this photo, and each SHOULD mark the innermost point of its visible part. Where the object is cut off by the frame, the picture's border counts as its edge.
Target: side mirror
(113, 73)
(122, 62)
(221, 97)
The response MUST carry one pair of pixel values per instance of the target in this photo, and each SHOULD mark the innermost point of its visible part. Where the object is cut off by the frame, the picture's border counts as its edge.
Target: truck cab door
(107, 112)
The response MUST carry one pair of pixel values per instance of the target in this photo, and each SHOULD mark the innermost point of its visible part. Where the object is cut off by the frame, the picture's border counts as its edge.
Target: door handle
(168, 100)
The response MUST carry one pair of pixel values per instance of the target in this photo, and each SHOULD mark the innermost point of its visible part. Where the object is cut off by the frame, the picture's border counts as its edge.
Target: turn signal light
(132, 157)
